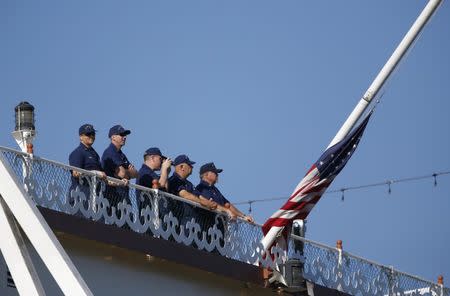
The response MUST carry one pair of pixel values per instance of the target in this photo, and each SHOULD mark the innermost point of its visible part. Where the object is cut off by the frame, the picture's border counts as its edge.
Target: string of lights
(342, 190)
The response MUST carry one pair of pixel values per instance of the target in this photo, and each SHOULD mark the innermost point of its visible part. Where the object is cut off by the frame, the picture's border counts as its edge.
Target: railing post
(391, 280)
(28, 164)
(93, 193)
(339, 248)
(299, 228)
(440, 282)
(155, 202)
(30, 148)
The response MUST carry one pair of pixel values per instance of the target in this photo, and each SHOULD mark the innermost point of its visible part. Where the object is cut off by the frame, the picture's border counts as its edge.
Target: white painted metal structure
(14, 249)
(372, 91)
(16, 202)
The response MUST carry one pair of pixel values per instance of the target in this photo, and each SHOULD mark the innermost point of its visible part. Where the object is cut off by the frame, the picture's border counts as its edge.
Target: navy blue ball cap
(153, 151)
(118, 130)
(183, 159)
(86, 129)
(209, 167)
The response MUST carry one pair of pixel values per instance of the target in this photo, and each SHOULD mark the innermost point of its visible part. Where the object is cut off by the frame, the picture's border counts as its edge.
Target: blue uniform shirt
(145, 176)
(85, 158)
(176, 184)
(211, 191)
(112, 159)
(183, 212)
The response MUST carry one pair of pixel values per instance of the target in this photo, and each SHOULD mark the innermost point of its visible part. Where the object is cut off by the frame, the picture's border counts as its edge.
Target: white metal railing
(140, 209)
(159, 214)
(340, 270)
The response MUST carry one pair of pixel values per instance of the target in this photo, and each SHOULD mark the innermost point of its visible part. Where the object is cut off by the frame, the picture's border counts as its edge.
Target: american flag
(313, 185)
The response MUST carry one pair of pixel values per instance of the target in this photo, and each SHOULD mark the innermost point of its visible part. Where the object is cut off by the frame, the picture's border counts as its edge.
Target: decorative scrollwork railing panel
(143, 210)
(339, 270)
(165, 216)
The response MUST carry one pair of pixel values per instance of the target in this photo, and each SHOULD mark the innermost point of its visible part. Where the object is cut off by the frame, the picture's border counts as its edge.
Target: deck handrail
(50, 185)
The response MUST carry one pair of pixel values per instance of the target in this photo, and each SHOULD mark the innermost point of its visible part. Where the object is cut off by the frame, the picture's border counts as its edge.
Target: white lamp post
(24, 131)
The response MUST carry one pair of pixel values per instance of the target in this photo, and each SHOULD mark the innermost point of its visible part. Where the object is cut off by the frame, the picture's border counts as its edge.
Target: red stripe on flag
(301, 188)
(289, 206)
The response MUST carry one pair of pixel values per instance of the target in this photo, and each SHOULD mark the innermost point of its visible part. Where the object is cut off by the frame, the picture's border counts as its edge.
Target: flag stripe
(316, 181)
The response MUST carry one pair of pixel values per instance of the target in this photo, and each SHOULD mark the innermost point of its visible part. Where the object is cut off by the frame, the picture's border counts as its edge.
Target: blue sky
(258, 87)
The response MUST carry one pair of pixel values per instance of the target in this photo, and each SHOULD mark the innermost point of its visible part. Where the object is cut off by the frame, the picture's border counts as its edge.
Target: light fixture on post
(289, 276)
(292, 270)
(24, 131)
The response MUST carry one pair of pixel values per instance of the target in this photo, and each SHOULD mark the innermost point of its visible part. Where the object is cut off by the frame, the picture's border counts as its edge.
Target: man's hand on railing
(76, 174)
(233, 212)
(232, 215)
(248, 218)
(119, 182)
(100, 174)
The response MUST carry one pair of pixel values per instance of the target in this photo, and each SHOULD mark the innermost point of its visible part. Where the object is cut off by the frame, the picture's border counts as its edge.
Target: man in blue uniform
(179, 185)
(209, 176)
(116, 165)
(84, 157)
(153, 161)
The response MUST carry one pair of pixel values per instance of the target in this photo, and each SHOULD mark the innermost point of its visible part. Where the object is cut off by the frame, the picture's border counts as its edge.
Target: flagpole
(387, 70)
(371, 92)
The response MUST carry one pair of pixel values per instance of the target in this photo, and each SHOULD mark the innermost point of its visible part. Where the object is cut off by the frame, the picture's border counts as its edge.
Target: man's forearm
(187, 195)
(163, 180)
(236, 211)
(223, 209)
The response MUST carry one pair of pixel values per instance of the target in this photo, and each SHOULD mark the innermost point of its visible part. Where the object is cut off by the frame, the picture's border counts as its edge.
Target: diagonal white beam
(16, 254)
(39, 233)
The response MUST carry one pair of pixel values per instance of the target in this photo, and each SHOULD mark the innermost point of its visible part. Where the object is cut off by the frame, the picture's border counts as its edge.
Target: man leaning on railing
(209, 175)
(181, 186)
